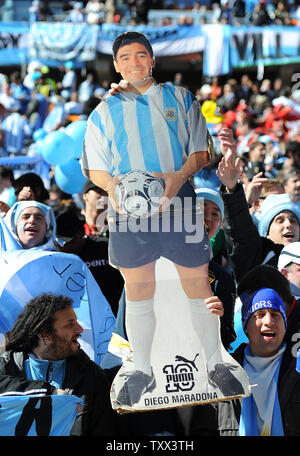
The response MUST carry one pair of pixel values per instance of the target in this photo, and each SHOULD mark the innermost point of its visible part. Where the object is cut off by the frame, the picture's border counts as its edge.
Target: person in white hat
(289, 265)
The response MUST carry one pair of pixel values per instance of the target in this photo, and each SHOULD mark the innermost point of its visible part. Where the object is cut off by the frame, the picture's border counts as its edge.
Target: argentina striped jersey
(16, 129)
(156, 131)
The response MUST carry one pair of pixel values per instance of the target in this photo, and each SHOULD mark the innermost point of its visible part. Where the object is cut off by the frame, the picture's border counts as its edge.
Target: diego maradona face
(134, 63)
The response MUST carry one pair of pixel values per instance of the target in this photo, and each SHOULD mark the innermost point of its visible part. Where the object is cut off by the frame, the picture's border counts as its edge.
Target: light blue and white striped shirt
(16, 129)
(156, 131)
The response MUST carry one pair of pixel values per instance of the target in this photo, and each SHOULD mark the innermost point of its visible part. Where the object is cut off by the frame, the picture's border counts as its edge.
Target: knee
(139, 291)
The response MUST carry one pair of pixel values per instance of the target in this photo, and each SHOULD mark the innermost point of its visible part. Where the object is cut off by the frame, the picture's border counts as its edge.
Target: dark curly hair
(37, 316)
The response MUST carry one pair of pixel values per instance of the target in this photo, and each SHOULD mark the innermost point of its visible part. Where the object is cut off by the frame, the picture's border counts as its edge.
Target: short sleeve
(96, 154)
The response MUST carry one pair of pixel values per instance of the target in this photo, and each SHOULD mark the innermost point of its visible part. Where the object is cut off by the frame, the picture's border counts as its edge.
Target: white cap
(289, 254)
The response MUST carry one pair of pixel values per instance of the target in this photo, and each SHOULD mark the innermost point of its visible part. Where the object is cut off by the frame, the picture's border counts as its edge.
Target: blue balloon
(76, 130)
(69, 176)
(57, 148)
(39, 146)
(39, 134)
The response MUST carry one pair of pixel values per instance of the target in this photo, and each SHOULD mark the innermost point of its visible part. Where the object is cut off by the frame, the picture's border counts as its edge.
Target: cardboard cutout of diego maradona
(180, 359)
(175, 355)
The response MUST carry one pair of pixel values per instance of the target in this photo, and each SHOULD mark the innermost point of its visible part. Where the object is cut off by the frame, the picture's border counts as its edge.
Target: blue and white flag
(38, 416)
(168, 40)
(216, 57)
(24, 164)
(26, 274)
(14, 38)
(62, 41)
(7, 241)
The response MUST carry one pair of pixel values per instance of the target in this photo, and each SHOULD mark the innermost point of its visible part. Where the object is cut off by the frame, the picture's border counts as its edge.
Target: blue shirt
(42, 369)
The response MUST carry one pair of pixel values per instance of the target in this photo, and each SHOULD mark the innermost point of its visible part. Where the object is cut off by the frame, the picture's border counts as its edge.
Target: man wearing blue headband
(270, 364)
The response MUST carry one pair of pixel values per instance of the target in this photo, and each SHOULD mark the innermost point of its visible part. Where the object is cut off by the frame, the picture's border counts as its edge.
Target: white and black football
(138, 193)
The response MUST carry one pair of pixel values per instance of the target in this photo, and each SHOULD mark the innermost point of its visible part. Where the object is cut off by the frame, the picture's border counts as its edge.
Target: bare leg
(195, 282)
(139, 282)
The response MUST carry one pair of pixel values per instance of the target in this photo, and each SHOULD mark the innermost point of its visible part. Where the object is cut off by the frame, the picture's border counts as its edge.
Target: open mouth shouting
(268, 336)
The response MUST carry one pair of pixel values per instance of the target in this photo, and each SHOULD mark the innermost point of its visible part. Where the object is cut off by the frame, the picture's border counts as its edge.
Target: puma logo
(185, 360)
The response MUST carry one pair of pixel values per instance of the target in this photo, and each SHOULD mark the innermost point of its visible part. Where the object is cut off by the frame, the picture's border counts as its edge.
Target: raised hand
(229, 169)
(254, 188)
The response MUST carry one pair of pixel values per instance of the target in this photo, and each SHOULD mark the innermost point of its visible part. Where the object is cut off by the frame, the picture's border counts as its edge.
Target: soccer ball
(138, 193)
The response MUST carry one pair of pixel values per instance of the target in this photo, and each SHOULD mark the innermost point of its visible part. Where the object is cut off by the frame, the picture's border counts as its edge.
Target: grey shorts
(177, 234)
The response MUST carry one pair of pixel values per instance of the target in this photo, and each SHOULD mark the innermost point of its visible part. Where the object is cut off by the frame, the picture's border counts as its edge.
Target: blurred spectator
(204, 93)
(242, 113)
(256, 157)
(244, 89)
(35, 12)
(281, 14)
(216, 89)
(47, 84)
(95, 11)
(228, 99)
(37, 110)
(246, 133)
(86, 88)
(73, 107)
(32, 68)
(95, 205)
(56, 115)
(6, 97)
(238, 8)
(261, 109)
(19, 91)
(45, 10)
(266, 89)
(30, 186)
(69, 81)
(226, 15)
(255, 88)
(292, 152)
(178, 80)
(278, 87)
(260, 15)
(16, 130)
(291, 183)
(111, 11)
(7, 191)
(77, 15)
(57, 197)
(216, 11)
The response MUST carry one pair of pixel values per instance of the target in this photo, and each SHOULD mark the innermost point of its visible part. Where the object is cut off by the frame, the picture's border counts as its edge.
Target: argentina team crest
(171, 114)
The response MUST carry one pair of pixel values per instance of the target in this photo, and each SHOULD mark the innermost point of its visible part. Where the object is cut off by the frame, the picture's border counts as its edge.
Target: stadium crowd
(134, 12)
(252, 214)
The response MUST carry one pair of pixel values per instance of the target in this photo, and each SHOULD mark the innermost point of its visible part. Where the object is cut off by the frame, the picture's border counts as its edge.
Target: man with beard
(43, 353)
